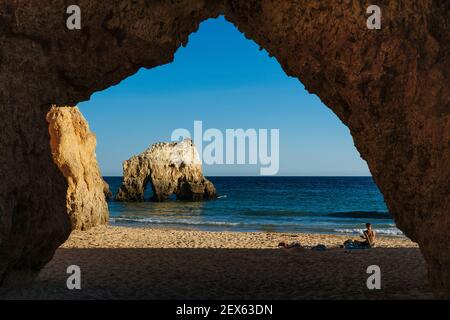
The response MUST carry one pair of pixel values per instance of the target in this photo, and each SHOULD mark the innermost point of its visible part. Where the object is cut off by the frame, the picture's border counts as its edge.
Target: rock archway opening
(389, 87)
(249, 85)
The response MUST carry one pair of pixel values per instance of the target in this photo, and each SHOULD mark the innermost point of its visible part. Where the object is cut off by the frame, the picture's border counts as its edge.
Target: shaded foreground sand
(150, 263)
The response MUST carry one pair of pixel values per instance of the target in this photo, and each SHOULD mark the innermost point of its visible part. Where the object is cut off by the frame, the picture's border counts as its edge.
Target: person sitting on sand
(368, 236)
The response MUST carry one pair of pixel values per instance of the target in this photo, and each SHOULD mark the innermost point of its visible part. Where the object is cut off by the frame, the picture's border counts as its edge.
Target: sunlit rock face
(389, 86)
(170, 168)
(73, 150)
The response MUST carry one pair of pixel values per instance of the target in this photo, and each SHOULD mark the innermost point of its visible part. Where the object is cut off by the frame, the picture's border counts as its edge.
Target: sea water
(339, 205)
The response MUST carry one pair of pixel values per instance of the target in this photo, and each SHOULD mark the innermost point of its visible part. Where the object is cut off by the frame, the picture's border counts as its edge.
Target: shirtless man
(369, 236)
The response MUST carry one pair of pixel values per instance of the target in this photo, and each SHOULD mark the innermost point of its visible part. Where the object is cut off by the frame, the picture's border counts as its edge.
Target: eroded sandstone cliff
(389, 86)
(169, 168)
(73, 150)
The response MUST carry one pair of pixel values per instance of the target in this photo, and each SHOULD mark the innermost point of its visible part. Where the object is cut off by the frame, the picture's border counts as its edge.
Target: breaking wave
(389, 231)
(167, 221)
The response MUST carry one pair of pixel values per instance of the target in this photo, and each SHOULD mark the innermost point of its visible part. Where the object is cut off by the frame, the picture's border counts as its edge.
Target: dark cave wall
(389, 86)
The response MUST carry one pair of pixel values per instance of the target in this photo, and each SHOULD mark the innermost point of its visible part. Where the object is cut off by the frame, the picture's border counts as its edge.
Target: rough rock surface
(389, 86)
(170, 168)
(106, 191)
(73, 149)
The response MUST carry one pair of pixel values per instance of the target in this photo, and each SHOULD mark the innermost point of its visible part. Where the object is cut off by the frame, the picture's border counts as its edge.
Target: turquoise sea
(279, 204)
(339, 205)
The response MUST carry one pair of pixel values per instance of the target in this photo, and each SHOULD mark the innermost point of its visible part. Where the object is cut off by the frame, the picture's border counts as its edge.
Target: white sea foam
(177, 221)
(389, 231)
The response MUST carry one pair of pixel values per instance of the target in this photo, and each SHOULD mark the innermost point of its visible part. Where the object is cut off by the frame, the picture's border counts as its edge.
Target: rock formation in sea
(388, 86)
(106, 191)
(73, 150)
(169, 168)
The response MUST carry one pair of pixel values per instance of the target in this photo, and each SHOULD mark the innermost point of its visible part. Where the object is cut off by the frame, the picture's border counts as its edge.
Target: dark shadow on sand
(229, 274)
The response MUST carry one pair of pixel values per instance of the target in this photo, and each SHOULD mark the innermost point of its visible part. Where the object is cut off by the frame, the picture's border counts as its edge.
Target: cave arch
(171, 168)
(389, 86)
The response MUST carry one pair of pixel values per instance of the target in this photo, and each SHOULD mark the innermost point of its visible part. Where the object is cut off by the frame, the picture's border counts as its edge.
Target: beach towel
(350, 244)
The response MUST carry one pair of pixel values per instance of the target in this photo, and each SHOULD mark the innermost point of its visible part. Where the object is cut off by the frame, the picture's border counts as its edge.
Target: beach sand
(156, 263)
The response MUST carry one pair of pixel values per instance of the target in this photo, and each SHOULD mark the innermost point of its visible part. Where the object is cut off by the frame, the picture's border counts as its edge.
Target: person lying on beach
(286, 245)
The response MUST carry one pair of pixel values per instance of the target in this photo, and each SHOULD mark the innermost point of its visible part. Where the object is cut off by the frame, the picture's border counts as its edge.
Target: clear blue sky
(224, 80)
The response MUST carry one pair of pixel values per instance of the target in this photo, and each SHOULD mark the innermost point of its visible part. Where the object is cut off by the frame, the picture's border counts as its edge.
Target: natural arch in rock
(389, 86)
(170, 168)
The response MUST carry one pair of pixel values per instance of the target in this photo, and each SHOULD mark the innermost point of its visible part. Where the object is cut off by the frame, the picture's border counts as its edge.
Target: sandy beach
(153, 263)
